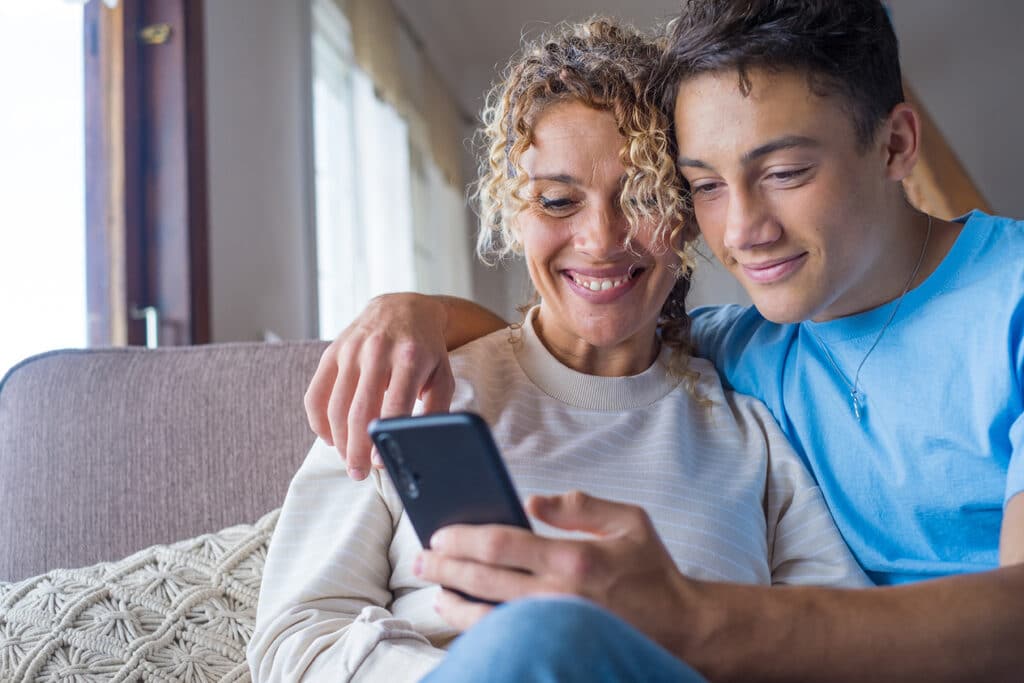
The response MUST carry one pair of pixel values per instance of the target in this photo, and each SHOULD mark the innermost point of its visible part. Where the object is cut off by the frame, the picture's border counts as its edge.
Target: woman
(594, 390)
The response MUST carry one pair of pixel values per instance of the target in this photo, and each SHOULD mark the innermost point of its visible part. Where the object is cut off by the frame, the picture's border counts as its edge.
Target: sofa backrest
(107, 451)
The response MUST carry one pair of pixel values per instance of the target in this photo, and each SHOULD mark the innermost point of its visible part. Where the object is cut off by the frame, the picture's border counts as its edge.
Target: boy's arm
(395, 351)
(962, 628)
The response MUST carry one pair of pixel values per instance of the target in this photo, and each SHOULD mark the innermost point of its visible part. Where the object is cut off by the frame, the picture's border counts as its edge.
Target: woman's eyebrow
(558, 178)
(567, 179)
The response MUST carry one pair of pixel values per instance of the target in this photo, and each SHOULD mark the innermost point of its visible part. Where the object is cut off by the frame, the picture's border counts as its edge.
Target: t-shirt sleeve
(710, 331)
(804, 545)
(322, 612)
(724, 334)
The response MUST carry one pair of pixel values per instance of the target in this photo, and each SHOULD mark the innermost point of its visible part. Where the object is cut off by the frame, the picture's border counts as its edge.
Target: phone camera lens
(391, 446)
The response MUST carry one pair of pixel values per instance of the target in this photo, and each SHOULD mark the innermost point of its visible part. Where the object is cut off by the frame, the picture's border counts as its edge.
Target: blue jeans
(557, 640)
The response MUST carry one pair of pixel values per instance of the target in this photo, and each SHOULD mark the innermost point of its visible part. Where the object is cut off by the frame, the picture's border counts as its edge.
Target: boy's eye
(793, 174)
(704, 189)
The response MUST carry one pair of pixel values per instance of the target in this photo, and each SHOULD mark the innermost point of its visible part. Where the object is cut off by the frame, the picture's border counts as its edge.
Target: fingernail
(356, 473)
(375, 457)
(438, 539)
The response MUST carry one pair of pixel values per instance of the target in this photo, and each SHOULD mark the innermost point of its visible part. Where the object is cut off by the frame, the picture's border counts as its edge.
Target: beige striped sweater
(725, 491)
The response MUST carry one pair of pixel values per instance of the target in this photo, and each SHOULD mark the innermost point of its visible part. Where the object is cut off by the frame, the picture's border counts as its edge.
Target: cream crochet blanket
(181, 612)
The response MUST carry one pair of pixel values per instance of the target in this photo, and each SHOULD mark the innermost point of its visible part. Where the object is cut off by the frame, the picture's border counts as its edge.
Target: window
(42, 184)
(386, 219)
(363, 223)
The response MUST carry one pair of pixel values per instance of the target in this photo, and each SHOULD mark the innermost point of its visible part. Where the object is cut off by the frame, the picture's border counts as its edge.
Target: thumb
(577, 511)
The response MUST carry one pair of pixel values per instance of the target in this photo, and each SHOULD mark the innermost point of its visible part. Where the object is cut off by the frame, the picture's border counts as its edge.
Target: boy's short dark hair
(846, 47)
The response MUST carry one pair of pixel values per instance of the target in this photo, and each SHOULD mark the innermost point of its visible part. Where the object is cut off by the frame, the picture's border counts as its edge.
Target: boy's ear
(901, 141)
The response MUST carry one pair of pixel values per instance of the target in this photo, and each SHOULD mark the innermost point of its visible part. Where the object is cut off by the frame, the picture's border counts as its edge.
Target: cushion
(178, 612)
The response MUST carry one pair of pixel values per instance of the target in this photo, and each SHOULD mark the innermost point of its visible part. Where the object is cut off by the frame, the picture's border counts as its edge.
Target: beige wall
(257, 91)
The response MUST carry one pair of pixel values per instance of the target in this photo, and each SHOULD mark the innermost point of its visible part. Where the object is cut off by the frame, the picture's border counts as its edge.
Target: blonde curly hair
(609, 67)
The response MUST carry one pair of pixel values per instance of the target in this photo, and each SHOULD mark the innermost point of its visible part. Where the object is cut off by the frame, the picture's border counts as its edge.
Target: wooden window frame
(146, 179)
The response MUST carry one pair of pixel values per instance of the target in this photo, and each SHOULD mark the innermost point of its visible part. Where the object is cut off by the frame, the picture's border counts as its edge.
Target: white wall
(965, 60)
(258, 127)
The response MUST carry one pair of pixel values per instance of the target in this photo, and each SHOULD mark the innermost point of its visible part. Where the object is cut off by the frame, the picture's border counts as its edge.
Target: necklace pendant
(857, 398)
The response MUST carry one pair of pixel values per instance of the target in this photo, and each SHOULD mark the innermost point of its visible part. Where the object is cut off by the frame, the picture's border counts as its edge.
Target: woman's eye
(554, 204)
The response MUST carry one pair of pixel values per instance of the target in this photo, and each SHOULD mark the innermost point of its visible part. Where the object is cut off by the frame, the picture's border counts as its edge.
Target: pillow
(179, 612)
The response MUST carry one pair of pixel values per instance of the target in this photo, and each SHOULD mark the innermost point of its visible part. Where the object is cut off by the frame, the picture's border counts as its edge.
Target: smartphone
(447, 470)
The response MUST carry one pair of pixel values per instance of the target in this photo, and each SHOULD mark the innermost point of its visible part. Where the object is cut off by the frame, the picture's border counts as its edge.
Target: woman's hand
(624, 568)
(391, 354)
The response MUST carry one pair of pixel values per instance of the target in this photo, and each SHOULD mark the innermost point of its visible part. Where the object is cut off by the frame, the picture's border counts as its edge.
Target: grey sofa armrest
(104, 452)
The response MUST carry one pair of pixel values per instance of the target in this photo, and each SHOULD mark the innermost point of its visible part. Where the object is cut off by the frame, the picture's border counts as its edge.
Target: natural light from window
(42, 179)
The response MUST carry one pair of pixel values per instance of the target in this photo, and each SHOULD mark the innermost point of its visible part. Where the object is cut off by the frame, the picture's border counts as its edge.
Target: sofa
(138, 491)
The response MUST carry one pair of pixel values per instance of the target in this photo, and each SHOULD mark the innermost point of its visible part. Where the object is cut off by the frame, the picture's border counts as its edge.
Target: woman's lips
(773, 271)
(603, 289)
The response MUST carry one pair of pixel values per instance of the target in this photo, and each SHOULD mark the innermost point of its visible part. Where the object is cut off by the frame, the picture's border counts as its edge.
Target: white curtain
(443, 243)
(364, 233)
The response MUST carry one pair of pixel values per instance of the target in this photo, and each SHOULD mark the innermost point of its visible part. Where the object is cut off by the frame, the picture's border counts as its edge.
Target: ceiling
(962, 58)
(470, 40)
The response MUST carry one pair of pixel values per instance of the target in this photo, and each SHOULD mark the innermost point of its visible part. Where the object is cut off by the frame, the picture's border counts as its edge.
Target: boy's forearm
(467, 321)
(962, 628)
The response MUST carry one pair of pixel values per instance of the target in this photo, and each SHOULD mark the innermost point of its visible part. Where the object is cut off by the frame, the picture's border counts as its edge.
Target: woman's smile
(603, 288)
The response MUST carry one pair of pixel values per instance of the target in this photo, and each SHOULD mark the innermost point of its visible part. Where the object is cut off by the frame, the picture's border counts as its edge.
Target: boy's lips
(767, 272)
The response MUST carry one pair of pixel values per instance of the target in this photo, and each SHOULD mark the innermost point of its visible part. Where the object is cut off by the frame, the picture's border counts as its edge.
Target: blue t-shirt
(918, 485)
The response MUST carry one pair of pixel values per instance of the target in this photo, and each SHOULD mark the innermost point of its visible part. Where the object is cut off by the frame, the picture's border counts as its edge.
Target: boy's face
(785, 197)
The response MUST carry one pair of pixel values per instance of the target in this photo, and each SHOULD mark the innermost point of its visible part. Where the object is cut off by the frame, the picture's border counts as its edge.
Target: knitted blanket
(180, 612)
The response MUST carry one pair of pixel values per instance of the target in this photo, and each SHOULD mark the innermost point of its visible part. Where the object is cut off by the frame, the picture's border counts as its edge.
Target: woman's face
(599, 301)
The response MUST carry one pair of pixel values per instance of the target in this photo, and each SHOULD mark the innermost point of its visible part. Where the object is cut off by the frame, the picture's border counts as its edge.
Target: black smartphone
(447, 470)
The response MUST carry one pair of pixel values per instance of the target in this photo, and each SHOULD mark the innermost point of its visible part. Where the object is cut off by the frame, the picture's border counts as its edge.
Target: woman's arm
(1011, 540)
(323, 608)
(394, 352)
(804, 545)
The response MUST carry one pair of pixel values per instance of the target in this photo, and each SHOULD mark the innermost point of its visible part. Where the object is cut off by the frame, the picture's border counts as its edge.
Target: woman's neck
(628, 357)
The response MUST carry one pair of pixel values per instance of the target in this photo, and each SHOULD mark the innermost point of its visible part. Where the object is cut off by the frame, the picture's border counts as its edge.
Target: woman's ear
(901, 141)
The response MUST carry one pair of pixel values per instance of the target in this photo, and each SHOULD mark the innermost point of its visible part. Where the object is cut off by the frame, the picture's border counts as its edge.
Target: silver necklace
(856, 395)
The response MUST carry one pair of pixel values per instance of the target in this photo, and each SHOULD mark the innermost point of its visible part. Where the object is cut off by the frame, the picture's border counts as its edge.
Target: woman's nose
(602, 232)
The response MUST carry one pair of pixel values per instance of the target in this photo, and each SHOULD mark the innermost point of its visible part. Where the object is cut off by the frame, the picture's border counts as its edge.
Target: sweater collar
(589, 392)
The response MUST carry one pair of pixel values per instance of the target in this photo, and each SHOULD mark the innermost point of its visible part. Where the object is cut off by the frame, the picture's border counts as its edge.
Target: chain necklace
(856, 396)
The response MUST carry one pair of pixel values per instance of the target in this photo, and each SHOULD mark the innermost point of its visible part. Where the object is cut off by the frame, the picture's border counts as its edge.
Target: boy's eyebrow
(686, 162)
(786, 142)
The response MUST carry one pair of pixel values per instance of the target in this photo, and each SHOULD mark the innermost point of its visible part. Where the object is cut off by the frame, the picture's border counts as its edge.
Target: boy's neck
(918, 245)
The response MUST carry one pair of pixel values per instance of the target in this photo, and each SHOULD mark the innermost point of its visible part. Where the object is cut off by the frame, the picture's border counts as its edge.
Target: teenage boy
(888, 344)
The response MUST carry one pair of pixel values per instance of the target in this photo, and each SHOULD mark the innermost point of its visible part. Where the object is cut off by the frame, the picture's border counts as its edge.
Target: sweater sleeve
(804, 545)
(322, 612)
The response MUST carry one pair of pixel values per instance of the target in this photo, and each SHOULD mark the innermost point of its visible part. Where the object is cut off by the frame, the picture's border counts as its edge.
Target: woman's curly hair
(609, 67)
